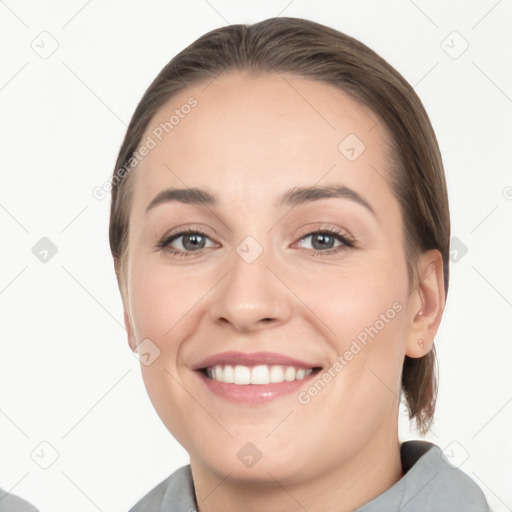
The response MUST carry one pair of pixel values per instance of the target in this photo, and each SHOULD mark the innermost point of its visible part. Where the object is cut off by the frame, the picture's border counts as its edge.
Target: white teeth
(242, 374)
(276, 374)
(289, 374)
(260, 374)
(228, 375)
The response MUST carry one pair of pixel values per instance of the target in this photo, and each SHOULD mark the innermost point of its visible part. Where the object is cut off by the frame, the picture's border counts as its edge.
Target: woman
(280, 232)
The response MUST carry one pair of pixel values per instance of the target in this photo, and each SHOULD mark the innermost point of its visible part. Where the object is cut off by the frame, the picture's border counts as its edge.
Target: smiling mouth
(259, 375)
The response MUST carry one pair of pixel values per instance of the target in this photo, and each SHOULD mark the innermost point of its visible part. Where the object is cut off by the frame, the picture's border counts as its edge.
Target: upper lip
(252, 359)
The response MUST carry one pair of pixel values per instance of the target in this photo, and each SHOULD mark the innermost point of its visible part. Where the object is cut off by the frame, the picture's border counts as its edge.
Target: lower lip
(254, 393)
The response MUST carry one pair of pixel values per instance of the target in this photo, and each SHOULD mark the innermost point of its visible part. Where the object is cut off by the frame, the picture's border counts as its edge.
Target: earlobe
(419, 349)
(427, 303)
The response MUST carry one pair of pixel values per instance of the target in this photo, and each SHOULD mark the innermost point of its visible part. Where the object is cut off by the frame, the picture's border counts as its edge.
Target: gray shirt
(11, 503)
(430, 484)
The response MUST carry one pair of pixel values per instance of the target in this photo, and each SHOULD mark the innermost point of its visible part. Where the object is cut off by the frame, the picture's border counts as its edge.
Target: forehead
(253, 135)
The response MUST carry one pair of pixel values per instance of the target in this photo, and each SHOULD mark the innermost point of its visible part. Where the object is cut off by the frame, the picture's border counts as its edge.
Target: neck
(345, 487)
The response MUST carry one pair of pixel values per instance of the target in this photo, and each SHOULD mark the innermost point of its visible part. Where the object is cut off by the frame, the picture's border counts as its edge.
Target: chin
(257, 461)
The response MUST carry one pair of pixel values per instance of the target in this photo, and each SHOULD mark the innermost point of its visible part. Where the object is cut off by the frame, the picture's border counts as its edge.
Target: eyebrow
(292, 197)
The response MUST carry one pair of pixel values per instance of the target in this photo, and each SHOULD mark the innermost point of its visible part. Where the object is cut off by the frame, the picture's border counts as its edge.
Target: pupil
(323, 240)
(191, 242)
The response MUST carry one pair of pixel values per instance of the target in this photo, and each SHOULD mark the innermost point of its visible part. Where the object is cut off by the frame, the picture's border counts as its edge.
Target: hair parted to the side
(311, 50)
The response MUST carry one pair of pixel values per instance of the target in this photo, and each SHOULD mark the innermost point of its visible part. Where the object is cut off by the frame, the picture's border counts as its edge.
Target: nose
(252, 295)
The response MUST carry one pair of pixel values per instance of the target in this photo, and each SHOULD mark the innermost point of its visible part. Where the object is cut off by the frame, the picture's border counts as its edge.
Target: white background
(67, 376)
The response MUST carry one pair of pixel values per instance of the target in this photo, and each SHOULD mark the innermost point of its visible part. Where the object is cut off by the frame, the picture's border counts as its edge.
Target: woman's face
(260, 286)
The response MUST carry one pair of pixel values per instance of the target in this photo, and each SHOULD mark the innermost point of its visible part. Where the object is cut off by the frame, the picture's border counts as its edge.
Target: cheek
(365, 317)
(349, 301)
(162, 302)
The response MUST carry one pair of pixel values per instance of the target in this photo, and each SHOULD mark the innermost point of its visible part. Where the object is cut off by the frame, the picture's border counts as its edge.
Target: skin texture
(248, 140)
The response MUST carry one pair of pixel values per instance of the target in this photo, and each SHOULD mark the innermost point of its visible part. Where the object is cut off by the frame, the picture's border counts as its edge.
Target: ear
(132, 342)
(426, 305)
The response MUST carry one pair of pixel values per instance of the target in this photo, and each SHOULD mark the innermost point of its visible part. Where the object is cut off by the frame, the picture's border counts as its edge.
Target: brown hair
(311, 50)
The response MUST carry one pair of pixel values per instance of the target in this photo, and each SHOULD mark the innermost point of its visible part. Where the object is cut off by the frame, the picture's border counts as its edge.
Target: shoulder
(431, 483)
(435, 482)
(11, 503)
(175, 493)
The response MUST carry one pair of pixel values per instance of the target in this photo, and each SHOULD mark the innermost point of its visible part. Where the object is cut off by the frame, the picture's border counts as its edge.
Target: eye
(323, 241)
(185, 242)
(193, 240)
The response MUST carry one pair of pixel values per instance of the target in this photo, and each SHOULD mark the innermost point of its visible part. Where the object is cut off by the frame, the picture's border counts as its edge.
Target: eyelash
(347, 242)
